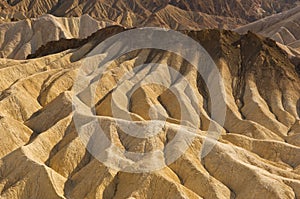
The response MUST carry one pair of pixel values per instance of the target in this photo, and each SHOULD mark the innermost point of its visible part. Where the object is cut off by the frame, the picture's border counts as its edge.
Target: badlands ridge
(257, 154)
(251, 152)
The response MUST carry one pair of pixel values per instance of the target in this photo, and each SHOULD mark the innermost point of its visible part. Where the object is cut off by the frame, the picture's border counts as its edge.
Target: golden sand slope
(257, 156)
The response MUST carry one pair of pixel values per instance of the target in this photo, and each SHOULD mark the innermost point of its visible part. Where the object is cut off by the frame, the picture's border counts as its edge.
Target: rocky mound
(256, 156)
(283, 28)
(53, 47)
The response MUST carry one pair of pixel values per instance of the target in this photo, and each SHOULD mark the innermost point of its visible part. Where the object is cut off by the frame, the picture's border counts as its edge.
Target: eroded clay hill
(175, 14)
(257, 155)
